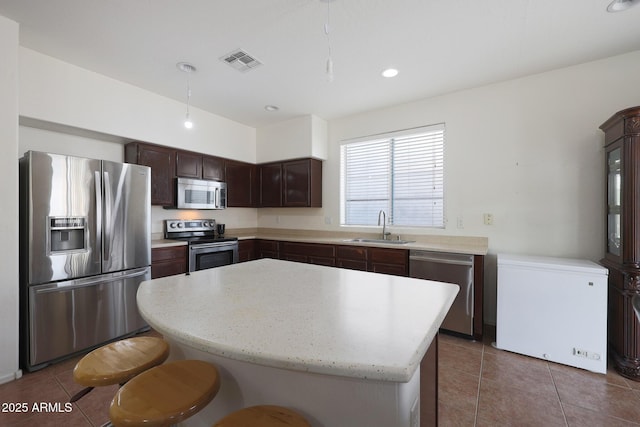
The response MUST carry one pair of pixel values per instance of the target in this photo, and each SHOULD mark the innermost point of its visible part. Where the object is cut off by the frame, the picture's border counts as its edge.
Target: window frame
(431, 145)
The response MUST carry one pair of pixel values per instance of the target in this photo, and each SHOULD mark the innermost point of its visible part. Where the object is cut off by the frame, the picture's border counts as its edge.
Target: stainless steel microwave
(200, 194)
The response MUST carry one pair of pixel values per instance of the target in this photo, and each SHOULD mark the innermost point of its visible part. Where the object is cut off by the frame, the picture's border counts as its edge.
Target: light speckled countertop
(301, 317)
(438, 243)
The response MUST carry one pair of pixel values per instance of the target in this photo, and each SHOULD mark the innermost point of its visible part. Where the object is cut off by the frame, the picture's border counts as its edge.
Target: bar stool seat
(263, 416)
(118, 362)
(165, 394)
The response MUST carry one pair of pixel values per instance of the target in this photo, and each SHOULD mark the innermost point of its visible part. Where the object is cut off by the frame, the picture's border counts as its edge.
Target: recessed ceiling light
(620, 5)
(390, 72)
(271, 108)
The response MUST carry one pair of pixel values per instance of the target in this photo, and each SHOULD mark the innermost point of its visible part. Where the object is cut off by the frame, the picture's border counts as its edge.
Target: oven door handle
(200, 246)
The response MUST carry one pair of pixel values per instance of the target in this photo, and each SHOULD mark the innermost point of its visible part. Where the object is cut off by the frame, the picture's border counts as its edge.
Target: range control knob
(172, 225)
(180, 225)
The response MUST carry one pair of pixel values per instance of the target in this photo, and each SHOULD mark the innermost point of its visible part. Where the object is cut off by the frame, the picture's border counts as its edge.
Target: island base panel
(324, 400)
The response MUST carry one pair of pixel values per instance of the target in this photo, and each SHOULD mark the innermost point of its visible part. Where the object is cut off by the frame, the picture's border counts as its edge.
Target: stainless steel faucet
(385, 234)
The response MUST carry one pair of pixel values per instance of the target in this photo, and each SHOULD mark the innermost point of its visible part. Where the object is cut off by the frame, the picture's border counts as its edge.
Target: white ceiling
(438, 46)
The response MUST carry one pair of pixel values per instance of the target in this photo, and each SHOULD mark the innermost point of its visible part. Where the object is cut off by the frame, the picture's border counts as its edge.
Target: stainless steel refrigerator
(85, 246)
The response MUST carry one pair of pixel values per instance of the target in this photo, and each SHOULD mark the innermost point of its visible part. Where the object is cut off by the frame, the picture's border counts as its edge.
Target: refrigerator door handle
(108, 220)
(98, 183)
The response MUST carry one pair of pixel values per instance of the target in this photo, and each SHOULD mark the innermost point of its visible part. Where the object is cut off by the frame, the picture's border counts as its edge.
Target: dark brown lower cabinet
(268, 249)
(246, 250)
(168, 261)
(310, 253)
(351, 257)
(389, 261)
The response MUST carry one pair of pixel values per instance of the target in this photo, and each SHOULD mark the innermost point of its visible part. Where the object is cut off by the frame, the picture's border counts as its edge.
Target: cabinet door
(242, 185)
(188, 165)
(168, 261)
(212, 168)
(302, 183)
(271, 185)
(161, 160)
(268, 249)
(352, 257)
(614, 201)
(246, 250)
(296, 179)
(389, 261)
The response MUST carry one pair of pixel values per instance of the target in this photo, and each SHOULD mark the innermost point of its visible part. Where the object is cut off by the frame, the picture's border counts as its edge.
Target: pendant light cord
(329, 69)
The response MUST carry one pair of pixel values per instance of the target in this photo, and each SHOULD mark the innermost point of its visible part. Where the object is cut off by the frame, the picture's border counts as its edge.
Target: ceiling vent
(240, 60)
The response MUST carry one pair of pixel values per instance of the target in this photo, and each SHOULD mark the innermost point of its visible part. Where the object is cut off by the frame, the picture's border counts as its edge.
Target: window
(401, 173)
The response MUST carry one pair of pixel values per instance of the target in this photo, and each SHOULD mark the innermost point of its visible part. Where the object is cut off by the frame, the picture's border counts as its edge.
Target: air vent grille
(241, 60)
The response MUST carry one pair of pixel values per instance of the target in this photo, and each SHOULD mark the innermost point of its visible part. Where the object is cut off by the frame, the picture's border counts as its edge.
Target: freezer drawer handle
(82, 283)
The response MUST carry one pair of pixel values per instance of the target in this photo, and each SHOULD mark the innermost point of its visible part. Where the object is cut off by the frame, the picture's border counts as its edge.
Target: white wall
(9, 195)
(55, 91)
(304, 136)
(528, 151)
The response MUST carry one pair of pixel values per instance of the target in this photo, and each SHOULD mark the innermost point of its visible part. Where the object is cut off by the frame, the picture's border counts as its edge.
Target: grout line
(553, 379)
(475, 415)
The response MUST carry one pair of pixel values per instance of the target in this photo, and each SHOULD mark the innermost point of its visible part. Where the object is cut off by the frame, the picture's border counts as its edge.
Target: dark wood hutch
(622, 255)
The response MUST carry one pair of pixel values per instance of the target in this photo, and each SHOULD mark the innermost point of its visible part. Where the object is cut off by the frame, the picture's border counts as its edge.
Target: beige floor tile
(459, 357)
(450, 416)
(518, 371)
(580, 417)
(594, 393)
(502, 405)
(458, 389)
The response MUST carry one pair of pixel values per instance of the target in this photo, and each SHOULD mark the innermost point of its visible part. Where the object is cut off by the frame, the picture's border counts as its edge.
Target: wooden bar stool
(166, 394)
(118, 362)
(263, 416)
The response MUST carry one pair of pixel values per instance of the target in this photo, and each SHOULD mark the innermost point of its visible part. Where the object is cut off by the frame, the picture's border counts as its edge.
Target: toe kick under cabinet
(553, 309)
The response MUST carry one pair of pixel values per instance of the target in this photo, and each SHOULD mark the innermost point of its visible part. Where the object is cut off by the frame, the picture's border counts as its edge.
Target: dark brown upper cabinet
(271, 185)
(162, 161)
(302, 183)
(213, 168)
(188, 165)
(198, 166)
(293, 183)
(242, 184)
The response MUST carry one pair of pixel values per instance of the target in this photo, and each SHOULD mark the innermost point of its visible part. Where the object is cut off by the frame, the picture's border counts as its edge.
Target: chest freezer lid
(550, 263)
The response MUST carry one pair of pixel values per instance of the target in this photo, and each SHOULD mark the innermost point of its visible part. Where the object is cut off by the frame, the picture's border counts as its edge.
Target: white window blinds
(401, 173)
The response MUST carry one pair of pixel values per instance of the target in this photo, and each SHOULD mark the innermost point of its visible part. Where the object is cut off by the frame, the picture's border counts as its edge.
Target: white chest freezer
(553, 309)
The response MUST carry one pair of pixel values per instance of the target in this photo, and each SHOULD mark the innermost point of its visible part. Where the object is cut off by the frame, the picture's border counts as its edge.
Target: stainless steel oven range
(207, 249)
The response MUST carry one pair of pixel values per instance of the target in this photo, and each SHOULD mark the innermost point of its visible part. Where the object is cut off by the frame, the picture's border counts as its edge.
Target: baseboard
(5, 378)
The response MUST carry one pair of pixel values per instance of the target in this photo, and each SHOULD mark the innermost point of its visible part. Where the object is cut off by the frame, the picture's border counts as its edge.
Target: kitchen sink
(392, 242)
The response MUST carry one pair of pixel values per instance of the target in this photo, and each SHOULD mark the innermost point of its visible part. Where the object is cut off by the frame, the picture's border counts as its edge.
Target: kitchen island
(342, 347)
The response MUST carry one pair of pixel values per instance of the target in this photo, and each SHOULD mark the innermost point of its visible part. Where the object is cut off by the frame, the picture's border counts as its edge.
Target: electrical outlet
(459, 222)
(488, 219)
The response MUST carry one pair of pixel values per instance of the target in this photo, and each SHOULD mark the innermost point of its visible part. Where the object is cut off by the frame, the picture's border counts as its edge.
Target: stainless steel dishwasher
(449, 268)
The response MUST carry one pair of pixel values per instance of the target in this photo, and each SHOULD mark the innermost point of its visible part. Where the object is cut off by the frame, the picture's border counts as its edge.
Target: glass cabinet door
(614, 201)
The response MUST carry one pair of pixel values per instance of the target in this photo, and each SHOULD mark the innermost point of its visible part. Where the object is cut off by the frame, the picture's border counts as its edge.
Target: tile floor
(479, 386)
